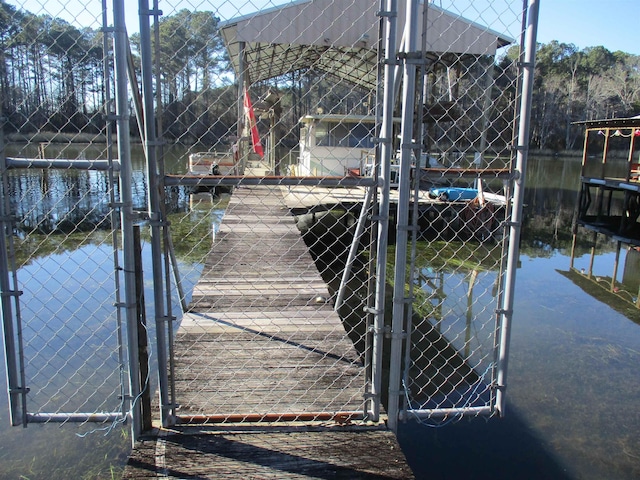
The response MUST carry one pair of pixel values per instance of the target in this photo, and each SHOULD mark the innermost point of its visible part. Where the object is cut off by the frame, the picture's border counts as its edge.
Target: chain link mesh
(261, 263)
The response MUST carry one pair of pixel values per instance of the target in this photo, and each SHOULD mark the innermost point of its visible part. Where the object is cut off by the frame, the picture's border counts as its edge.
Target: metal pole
(155, 213)
(14, 367)
(418, 136)
(402, 222)
(128, 244)
(114, 213)
(506, 311)
(353, 249)
(242, 80)
(390, 14)
(170, 262)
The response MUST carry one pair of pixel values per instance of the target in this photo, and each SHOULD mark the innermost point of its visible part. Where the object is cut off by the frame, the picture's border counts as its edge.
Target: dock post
(593, 255)
(143, 341)
(615, 266)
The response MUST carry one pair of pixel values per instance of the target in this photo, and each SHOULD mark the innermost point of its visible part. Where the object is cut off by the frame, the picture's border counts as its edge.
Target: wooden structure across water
(609, 199)
(269, 383)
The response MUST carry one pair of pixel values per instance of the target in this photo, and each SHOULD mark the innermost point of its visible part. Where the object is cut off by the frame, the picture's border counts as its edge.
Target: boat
(453, 194)
(212, 163)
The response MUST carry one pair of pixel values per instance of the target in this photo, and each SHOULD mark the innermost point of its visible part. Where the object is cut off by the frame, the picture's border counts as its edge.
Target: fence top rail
(61, 163)
(233, 180)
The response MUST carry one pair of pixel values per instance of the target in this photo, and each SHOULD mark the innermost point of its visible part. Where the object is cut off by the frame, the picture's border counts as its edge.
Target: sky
(585, 23)
(614, 24)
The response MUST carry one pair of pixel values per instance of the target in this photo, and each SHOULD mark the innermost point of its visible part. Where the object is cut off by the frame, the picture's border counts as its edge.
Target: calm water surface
(572, 391)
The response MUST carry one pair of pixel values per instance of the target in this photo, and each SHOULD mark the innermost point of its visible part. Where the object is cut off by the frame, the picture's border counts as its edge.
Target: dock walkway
(268, 381)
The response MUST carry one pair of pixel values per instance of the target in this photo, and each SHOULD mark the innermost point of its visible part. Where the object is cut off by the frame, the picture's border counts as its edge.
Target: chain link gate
(283, 114)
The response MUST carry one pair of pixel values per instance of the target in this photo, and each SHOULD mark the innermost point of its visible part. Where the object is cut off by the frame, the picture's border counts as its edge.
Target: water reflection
(571, 409)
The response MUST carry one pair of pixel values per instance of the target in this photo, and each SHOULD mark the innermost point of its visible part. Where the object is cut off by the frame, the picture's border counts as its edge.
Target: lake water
(572, 387)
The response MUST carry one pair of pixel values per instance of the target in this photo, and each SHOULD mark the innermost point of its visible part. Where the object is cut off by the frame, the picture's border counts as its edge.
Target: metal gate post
(12, 338)
(156, 219)
(404, 191)
(505, 313)
(390, 13)
(128, 244)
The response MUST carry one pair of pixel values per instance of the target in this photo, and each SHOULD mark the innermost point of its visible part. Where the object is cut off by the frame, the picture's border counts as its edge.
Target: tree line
(52, 77)
(572, 85)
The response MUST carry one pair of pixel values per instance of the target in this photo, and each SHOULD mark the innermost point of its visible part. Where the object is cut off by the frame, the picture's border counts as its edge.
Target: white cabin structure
(335, 145)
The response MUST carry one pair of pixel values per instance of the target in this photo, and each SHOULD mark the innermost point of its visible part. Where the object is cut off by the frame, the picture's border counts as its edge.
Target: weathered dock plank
(260, 341)
(287, 453)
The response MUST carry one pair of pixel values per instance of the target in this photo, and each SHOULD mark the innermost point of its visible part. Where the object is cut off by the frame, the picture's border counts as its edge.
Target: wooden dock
(268, 381)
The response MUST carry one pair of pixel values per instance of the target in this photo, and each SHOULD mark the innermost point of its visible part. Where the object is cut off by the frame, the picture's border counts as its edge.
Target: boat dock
(268, 381)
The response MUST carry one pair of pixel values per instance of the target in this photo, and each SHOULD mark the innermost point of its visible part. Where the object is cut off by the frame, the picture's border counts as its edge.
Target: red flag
(253, 126)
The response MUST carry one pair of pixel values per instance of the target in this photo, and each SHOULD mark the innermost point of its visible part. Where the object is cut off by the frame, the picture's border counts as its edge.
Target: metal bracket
(21, 390)
(405, 300)
(383, 140)
(401, 335)
(400, 393)
(151, 12)
(380, 331)
(125, 305)
(11, 293)
(386, 14)
(511, 224)
(158, 223)
(371, 310)
(136, 215)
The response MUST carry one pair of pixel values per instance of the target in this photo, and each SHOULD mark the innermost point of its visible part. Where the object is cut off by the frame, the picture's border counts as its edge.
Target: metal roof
(625, 122)
(340, 37)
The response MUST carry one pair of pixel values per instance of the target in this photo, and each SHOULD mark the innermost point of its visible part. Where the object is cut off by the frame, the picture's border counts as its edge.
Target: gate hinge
(371, 310)
(380, 331)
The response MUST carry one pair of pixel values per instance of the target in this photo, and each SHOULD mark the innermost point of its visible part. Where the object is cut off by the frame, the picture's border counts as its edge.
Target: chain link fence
(282, 160)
